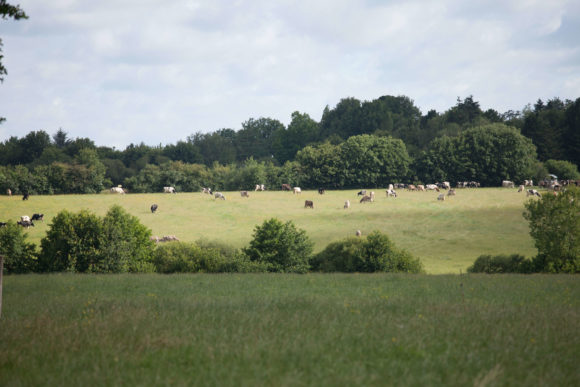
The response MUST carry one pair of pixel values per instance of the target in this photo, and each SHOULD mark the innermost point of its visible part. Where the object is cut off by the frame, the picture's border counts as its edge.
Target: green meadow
(290, 330)
(448, 236)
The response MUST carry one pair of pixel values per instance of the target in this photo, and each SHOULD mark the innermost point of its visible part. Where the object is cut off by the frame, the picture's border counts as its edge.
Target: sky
(132, 71)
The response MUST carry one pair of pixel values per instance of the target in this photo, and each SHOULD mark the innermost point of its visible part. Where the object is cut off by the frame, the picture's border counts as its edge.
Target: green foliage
(280, 246)
(488, 154)
(565, 170)
(555, 228)
(375, 253)
(502, 263)
(125, 243)
(202, 257)
(84, 242)
(20, 256)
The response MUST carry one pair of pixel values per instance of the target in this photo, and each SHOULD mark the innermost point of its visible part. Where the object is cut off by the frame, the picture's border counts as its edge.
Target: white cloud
(143, 70)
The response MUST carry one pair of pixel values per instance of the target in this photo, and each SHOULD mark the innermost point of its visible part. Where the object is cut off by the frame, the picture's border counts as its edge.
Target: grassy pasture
(281, 330)
(447, 236)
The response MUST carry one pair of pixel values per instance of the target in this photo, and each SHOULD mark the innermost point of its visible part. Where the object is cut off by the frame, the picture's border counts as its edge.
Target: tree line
(355, 144)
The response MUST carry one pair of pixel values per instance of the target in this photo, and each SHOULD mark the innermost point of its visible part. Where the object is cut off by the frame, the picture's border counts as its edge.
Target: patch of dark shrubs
(374, 253)
(513, 263)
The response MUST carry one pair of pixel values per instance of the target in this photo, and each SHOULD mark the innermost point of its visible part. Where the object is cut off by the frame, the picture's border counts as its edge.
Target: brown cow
(309, 204)
(286, 187)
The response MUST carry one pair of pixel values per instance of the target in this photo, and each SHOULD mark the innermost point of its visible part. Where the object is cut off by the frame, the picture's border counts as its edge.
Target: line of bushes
(118, 243)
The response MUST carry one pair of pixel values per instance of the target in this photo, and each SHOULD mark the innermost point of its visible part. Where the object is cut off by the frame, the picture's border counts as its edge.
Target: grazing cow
(451, 192)
(297, 190)
(3, 224)
(441, 197)
(432, 187)
(25, 223)
(446, 185)
(362, 192)
(347, 204)
(244, 194)
(411, 187)
(309, 204)
(358, 233)
(461, 184)
(507, 184)
(420, 187)
(321, 191)
(533, 192)
(25, 218)
(286, 187)
(219, 195)
(529, 183)
(117, 190)
(366, 199)
(9, 192)
(521, 188)
(391, 192)
(38, 217)
(167, 238)
(206, 191)
(25, 196)
(400, 186)
(169, 190)
(154, 208)
(260, 187)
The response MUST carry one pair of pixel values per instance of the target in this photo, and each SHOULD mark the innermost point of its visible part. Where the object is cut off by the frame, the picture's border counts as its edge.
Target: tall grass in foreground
(248, 330)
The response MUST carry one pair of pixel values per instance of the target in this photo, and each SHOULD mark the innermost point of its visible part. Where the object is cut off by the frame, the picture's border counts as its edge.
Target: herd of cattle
(367, 197)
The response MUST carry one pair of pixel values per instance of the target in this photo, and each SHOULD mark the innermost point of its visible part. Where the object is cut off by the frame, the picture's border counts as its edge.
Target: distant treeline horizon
(356, 143)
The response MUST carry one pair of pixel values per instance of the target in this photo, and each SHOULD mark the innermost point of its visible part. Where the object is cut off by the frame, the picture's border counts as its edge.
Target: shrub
(125, 243)
(207, 257)
(555, 228)
(84, 242)
(565, 170)
(514, 263)
(280, 246)
(19, 255)
(375, 253)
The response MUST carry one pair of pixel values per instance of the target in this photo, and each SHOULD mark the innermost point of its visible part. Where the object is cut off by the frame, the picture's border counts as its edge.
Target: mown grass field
(448, 236)
(290, 330)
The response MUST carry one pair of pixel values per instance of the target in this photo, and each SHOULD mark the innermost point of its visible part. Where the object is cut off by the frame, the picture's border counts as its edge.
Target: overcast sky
(127, 71)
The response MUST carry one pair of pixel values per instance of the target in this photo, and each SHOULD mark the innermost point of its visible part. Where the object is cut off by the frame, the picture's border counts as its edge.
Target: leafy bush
(19, 255)
(555, 227)
(125, 243)
(84, 242)
(280, 246)
(375, 253)
(565, 170)
(514, 263)
(202, 257)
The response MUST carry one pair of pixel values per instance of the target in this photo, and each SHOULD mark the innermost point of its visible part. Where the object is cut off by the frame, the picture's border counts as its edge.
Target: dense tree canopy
(356, 144)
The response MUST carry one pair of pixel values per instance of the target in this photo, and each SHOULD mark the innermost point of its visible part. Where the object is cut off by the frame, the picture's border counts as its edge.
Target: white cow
(391, 192)
(521, 188)
(219, 195)
(297, 190)
(432, 187)
(533, 192)
(347, 204)
(441, 197)
(260, 187)
(507, 184)
(117, 190)
(206, 191)
(168, 189)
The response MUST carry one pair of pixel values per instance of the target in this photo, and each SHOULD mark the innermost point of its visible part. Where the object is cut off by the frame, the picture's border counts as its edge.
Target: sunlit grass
(447, 236)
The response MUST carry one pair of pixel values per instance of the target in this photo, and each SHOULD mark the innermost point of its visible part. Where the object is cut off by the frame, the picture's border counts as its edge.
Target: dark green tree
(555, 228)
(20, 255)
(125, 244)
(281, 246)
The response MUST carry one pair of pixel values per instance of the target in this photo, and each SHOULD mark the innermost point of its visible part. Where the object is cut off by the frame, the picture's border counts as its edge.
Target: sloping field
(447, 236)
